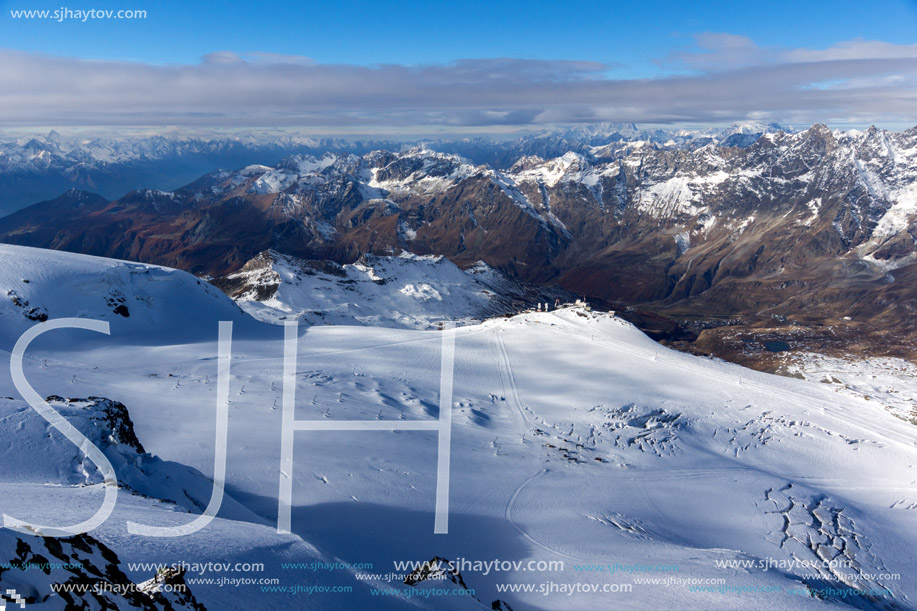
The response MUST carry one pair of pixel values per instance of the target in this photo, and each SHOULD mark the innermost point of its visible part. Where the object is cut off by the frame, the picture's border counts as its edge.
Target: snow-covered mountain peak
(571, 167)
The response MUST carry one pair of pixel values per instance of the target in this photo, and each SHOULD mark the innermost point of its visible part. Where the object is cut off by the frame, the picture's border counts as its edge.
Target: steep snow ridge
(254, 170)
(406, 291)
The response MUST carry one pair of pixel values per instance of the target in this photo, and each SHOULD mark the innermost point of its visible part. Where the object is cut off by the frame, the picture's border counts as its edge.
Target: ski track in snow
(508, 513)
(511, 393)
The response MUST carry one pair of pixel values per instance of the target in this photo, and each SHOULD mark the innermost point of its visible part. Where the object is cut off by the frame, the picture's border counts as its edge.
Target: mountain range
(726, 245)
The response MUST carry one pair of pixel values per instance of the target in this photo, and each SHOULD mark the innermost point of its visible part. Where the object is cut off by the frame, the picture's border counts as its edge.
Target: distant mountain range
(807, 237)
(42, 167)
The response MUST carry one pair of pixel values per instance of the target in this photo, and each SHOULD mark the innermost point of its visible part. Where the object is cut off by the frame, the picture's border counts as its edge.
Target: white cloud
(222, 57)
(853, 50)
(722, 51)
(730, 79)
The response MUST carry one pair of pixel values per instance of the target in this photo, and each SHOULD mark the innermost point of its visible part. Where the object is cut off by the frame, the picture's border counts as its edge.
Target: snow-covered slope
(575, 440)
(135, 299)
(890, 381)
(107, 424)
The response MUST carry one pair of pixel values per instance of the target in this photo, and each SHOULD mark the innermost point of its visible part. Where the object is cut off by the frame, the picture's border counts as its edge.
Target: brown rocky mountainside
(800, 240)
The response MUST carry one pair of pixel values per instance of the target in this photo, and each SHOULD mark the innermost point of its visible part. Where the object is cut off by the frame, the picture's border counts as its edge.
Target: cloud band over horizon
(722, 78)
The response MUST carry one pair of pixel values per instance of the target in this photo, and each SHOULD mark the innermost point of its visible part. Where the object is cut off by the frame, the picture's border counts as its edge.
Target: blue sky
(412, 32)
(627, 42)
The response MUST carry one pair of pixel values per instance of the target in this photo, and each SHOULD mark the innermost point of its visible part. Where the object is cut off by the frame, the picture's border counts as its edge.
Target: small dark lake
(776, 346)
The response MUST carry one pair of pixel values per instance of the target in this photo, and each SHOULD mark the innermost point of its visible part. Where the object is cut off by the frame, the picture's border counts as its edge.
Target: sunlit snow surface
(575, 439)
